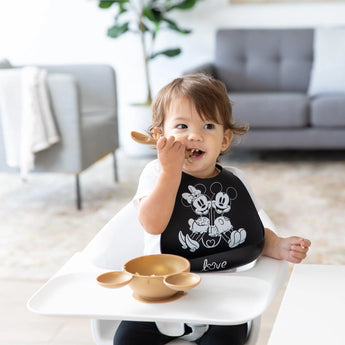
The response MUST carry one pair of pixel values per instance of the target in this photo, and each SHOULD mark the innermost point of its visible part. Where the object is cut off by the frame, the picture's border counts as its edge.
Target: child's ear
(227, 138)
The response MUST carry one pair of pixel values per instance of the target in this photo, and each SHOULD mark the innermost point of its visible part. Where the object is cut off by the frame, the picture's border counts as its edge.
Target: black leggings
(146, 333)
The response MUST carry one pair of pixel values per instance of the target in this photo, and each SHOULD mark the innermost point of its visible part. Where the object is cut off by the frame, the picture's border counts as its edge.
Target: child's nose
(195, 135)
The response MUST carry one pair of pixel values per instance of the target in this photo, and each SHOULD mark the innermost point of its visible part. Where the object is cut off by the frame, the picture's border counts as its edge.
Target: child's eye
(209, 126)
(181, 126)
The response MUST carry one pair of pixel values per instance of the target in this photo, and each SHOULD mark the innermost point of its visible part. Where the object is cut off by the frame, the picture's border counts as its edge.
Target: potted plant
(146, 18)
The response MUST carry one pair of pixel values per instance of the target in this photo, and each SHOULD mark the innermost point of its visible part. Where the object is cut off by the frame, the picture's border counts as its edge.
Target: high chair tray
(220, 298)
(312, 308)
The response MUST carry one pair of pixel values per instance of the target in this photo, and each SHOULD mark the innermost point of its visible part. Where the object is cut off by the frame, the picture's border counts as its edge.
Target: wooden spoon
(145, 139)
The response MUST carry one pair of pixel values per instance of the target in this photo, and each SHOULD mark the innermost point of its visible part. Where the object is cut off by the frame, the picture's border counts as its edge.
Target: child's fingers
(304, 243)
(171, 141)
(166, 143)
(161, 142)
(175, 145)
(298, 256)
(299, 248)
(296, 248)
(301, 242)
(299, 252)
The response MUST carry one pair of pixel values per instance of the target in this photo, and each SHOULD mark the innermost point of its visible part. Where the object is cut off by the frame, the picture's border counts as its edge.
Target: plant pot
(135, 118)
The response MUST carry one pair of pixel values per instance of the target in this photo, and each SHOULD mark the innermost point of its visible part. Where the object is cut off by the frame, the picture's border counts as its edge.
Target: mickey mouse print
(210, 225)
(212, 220)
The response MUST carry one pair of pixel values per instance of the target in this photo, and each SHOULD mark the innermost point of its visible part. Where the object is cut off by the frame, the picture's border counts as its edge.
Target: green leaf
(173, 26)
(184, 5)
(122, 10)
(152, 14)
(106, 4)
(168, 53)
(123, 7)
(148, 13)
(117, 30)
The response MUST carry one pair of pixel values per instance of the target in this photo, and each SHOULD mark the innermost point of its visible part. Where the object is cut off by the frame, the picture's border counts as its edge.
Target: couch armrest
(65, 101)
(96, 85)
(207, 68)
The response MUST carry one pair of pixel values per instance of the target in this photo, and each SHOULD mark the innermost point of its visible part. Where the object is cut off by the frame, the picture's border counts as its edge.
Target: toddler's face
(206, 138)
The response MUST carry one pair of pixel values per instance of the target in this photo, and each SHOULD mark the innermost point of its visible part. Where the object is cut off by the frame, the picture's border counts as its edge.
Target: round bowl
(149, 272)
(114, 279)
(153, 277)
(182, 281)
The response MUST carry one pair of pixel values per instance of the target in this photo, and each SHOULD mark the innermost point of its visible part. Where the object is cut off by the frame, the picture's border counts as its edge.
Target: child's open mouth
(193, 153)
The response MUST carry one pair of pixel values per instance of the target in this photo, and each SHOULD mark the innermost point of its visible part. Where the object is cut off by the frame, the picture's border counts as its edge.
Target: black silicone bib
(214, 224)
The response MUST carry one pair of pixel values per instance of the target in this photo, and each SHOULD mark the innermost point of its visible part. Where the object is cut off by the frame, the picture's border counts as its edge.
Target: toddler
(190, 205)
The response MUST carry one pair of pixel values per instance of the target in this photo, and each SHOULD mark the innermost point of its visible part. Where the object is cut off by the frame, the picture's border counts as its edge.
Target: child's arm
(293, 249)
(156, 209)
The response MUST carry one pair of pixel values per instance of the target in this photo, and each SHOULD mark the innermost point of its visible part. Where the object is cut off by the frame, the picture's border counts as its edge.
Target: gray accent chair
(267, 73)
(84, 103)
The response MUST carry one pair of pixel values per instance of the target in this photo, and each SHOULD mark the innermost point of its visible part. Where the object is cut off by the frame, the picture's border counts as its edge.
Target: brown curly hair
(208, 95)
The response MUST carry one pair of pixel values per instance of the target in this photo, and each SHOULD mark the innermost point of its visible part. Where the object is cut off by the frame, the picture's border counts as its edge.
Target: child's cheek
(180, 138)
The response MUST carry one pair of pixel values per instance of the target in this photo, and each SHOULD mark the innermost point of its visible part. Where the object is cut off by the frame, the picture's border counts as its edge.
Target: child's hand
(293, 249)
(171, 154)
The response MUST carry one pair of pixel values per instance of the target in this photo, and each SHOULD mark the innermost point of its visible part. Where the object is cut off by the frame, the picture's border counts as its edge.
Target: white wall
(74, 31)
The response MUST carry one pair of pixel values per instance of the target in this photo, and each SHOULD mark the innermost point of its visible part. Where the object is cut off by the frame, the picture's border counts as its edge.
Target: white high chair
(121, 239)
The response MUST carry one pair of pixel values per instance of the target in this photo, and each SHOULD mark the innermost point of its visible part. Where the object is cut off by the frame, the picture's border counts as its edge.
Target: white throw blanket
(27, 120)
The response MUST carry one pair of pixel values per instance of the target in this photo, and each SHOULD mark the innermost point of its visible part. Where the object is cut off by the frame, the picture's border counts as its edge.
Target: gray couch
(84, 102)
(267, 73)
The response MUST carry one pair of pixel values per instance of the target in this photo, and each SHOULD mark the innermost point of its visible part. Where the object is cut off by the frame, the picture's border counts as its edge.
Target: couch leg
(116, 176)
(78, 192)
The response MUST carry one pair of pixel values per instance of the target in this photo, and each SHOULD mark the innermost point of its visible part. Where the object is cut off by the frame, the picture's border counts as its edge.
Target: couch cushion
(310, 138)
(271, 110)
(328, 111)
(264, 60)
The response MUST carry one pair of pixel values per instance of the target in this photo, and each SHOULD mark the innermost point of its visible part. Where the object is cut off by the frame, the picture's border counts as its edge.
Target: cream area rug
(40, 228)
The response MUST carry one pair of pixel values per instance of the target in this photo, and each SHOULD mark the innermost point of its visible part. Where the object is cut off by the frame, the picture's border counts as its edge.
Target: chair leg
(254, 332)
(116, 176)
(78, 196)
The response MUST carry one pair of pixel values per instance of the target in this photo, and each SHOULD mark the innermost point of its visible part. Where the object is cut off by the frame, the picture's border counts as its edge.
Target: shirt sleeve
(147, 181)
